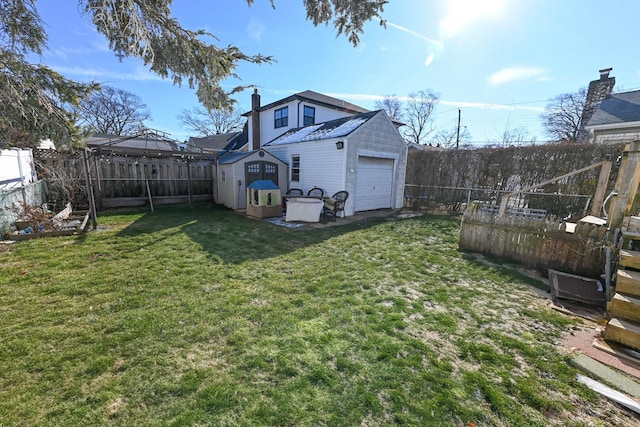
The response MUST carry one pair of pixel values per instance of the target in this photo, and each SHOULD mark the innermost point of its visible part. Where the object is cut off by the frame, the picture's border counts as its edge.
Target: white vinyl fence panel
(16, 168)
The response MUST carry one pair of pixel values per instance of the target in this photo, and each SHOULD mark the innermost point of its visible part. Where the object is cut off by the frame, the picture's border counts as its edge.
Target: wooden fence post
(598, 198)
(87, 177)
(626, 185)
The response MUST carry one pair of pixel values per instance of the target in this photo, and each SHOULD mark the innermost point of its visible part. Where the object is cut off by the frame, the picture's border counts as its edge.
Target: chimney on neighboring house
(255, 120)
(597, 92)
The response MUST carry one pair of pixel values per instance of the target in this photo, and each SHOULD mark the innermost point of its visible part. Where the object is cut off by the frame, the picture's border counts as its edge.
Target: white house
(295, 111)
(363, 154)
(616, 119)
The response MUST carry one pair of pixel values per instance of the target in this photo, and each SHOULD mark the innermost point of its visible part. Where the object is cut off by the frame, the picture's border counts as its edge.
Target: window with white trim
(281, 117)
(309, 117)
(295, 168)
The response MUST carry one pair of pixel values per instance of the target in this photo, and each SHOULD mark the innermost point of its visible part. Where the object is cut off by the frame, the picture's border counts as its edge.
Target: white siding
(229, 193)
(321, 164)
(296, 114)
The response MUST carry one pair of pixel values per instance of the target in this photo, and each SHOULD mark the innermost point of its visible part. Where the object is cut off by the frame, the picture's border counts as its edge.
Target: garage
(374, 183)
(363, 155)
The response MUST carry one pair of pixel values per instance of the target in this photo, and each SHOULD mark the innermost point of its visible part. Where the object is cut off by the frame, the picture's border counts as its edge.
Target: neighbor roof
(212, 142)
(333, 129)
(149, 142)
(316, 98)
(617, 108)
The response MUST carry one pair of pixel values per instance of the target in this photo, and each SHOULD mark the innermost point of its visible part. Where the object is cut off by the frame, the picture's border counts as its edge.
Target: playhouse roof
(264, 184)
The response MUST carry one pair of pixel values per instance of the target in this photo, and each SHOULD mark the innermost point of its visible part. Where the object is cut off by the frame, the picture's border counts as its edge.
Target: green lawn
(200, 316)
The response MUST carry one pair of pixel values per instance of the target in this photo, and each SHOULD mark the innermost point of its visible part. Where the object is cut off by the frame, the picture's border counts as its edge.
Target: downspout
(345, 158)
(216, 164)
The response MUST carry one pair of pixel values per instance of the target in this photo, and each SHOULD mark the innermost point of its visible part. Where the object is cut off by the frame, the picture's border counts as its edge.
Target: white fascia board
(609, 126)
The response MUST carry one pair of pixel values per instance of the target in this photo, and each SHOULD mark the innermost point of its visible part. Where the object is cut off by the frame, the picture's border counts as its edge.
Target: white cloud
(356, 97)
(429, 60)
(413, 33)
(141, 74)
(438, 44)
(255, 29)
(507, 75)
(485, 106)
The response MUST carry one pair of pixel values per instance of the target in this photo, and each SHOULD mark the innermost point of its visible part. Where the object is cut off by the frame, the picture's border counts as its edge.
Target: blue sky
(498, 61)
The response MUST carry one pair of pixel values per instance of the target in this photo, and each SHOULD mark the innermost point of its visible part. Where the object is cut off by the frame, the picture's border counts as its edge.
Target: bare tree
(417, 114)
(450, 138)
(563, 117)
(113, 111)
(205, 122)
(516, 137)
(392, 106)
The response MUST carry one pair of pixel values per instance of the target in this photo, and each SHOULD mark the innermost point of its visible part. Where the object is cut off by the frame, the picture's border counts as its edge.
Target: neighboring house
(363, 154)
(209, 144)
(295, 111)
(236, 170)
(234, 141)
(139, 144)
(616, 119)
(598, 90)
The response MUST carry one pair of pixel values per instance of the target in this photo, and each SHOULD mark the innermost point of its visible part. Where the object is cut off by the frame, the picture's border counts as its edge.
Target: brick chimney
(597, 92)
(255, 120)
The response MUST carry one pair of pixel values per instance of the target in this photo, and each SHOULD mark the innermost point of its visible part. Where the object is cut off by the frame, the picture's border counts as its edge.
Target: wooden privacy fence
(539, 243)
(129, 179)
(126, 180)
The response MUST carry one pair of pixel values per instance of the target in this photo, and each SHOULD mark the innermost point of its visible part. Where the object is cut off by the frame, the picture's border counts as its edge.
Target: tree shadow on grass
(227, 236)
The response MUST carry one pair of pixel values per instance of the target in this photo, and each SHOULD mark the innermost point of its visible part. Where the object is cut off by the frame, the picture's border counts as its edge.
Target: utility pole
(458, 132)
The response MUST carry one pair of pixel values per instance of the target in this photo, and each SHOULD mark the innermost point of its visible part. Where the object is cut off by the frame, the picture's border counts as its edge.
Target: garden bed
(65, 223)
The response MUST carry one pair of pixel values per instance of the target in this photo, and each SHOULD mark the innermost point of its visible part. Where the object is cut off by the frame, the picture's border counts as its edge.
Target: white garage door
(374, 183)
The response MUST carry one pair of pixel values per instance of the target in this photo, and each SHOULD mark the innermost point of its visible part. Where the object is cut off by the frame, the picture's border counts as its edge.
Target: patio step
(628, 282)
(624, 332)
(625, 306)
(630, 258)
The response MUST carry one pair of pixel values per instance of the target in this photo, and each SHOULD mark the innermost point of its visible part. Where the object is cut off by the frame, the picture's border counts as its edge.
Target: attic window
(281, 117)
(309, 116)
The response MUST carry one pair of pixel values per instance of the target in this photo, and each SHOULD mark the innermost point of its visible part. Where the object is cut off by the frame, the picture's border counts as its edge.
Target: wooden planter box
(68, 223)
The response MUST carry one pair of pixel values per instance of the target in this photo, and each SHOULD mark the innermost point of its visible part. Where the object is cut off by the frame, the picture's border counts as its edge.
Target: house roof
(146, 142)
(229, 157)
(212, 142)
(617, 108)
(232, 157)
(316, 98)
(332, 129)
(239, 141)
